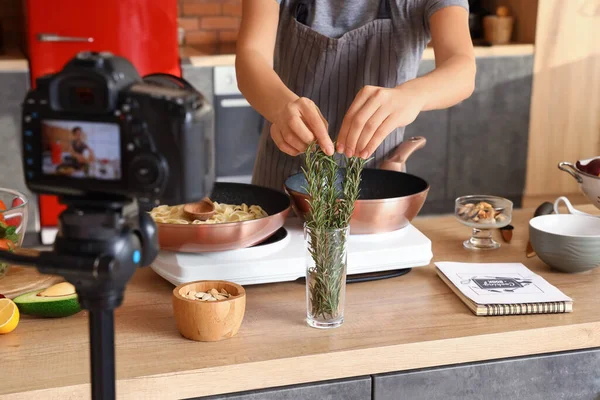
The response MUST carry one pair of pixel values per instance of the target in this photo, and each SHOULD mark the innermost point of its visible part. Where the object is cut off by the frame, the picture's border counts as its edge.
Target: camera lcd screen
(84, 150)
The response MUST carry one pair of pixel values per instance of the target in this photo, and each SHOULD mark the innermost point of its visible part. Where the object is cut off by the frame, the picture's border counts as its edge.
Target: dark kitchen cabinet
(480, 145)
(348, 389)
(488, 133)
(568, 376)
(14, 86)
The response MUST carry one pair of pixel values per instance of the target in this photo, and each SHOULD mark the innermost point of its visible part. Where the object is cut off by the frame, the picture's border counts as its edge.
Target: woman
(78, 149)
(345, 71)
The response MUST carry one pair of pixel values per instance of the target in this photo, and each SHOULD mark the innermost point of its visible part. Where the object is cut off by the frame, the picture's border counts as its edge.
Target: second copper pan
(389, 199)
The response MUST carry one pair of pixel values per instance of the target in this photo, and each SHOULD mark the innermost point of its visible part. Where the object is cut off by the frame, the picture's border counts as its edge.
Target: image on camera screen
(81, 149)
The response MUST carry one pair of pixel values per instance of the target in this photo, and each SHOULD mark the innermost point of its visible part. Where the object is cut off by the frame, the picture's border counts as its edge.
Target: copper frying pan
(389, 197)
(233, 235)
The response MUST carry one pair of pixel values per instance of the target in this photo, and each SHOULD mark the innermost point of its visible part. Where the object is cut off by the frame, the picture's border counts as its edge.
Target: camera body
(97, 129)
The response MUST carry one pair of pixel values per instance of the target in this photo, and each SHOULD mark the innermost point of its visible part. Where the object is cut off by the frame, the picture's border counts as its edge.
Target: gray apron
(330, 72)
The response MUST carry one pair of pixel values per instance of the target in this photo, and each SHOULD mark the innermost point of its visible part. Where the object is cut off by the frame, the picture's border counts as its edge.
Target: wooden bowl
(209, 321)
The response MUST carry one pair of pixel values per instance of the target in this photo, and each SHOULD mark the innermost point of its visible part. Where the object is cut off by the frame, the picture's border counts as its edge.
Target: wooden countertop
(14, 60)
(409, 322)
(199, 59)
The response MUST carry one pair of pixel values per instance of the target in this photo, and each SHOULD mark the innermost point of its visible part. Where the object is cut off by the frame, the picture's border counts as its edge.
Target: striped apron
(330, 72)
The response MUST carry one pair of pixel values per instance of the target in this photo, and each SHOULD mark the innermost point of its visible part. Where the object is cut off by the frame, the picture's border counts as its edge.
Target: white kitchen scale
(282, 257)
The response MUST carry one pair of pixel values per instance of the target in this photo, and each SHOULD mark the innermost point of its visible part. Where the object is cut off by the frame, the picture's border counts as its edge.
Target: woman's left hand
(373, 115)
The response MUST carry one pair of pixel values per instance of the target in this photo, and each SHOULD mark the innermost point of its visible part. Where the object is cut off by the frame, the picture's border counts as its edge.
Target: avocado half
(59, 300)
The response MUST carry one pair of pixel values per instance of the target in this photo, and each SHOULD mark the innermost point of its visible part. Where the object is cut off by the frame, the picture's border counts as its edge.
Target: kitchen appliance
(143, 31)
(282, 257)
(197, 238)
(389, 199)
(237, 129)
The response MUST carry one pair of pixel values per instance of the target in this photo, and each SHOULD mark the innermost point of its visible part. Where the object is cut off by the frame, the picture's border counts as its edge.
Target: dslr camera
(111, 145)
(96, 128)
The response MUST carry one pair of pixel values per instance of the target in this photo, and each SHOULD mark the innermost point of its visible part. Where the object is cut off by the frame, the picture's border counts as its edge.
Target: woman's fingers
(300, 130)
(360, 99)
(358, 122)
(369, 130)
(280, 142)
(380, 134)
(293, 140)
(317, 123)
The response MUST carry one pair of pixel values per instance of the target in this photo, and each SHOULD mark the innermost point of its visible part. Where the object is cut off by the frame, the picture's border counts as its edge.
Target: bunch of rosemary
(331, 207)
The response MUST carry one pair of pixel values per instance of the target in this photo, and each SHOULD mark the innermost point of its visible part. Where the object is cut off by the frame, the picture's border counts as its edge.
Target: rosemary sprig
(330, 213)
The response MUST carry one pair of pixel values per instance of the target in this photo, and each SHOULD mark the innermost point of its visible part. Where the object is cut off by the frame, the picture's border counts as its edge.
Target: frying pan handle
(397, 162)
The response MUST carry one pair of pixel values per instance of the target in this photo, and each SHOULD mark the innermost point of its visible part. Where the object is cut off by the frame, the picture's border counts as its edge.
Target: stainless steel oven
(237, 128)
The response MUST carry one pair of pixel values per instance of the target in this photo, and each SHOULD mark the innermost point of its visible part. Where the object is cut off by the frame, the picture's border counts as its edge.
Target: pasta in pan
(223, 213)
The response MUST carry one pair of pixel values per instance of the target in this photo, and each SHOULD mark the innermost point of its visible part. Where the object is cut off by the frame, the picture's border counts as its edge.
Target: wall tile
(228, 36)
(188, 23)
(233, 8)
(219, 22)
(191, 7)
(201, 37)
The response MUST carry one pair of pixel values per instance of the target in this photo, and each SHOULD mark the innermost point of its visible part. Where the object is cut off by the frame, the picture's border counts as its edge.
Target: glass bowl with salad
(13, 222)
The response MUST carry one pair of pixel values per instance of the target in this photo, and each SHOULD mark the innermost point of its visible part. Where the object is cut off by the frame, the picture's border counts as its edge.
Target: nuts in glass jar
(481, 213)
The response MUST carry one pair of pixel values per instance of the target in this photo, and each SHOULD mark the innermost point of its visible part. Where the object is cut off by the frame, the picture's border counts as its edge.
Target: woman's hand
(297, 125)
(373, 115)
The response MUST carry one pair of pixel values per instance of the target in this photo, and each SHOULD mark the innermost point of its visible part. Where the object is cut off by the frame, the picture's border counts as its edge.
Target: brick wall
(210, 25)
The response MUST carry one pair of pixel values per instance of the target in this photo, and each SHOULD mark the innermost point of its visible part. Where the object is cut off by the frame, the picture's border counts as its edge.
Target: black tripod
(99, 246)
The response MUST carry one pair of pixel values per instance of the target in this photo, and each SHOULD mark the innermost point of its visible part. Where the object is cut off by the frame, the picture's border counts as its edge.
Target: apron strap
(384, 10)
(302, 10)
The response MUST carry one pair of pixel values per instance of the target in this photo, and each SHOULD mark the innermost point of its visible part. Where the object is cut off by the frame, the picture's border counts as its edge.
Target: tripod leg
(102, 344)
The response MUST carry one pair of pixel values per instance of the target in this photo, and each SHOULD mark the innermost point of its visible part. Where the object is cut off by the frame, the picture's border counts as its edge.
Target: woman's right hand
(297, 125)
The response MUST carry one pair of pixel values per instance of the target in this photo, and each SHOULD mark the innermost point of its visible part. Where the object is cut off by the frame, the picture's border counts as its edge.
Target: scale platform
(282, 257)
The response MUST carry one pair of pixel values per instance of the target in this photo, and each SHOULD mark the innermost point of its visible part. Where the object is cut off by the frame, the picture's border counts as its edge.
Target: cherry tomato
(15, 221)
(6, 244)
(16, 202)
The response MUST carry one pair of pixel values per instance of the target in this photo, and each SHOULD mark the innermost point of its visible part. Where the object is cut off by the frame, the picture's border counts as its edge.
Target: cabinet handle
(52, 37)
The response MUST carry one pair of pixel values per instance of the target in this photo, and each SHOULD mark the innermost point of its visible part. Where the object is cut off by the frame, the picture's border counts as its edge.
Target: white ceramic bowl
(588, 184)
(566, 242)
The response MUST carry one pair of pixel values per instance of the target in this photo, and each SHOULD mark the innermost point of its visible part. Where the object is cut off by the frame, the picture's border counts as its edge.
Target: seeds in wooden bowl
(211, 295)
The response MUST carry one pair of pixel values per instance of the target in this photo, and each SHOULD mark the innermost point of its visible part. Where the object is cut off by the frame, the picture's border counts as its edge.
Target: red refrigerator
(143, 31)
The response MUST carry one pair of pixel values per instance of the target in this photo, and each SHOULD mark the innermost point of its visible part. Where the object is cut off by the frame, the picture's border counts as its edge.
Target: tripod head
(111, 238)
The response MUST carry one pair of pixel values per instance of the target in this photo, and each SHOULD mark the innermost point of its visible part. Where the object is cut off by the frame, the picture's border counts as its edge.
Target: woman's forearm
(260, 85)
(450, 83)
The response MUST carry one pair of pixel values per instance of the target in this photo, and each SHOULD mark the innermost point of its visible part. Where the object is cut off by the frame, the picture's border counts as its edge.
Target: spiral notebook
(502, 289)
